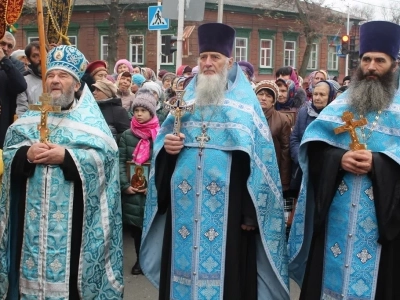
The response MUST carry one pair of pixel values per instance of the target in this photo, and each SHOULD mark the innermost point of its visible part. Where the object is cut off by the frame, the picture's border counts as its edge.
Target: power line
(390, 8)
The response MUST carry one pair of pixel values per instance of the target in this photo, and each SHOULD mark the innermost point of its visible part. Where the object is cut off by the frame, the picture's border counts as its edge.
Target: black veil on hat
(380, 36)
(216, 37)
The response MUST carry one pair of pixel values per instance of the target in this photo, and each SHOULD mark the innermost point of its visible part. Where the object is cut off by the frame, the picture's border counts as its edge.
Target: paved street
(139, 288)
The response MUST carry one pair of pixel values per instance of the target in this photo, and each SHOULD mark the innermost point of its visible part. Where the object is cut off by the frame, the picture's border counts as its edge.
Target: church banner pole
(42, 41)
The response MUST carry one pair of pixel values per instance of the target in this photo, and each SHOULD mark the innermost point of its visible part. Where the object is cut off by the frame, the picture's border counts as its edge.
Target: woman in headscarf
(313, 79)
(287, 102)
(323, 94)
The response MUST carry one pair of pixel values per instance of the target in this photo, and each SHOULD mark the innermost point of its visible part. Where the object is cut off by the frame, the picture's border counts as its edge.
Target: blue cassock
(351, 253)
(200, 198)
(46, 248)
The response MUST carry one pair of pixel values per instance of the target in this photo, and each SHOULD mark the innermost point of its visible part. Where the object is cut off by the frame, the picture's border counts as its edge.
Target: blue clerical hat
(67, 58)
(380, 36)
(216, 37)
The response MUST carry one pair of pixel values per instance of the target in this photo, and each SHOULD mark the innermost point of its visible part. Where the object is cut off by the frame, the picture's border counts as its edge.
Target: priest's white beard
(368, 95)
(211, 89)
(66, 99)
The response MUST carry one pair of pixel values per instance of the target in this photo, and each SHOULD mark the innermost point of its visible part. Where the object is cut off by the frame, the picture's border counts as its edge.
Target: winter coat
(115, 115)
(32, 93)
(132, 205)
(12, 82)
(279, 125)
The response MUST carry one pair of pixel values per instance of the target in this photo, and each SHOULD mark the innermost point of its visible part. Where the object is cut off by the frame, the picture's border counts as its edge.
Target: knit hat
(216, 37)
(161, 73)
(247, 68)
(267, 84)
(96, 66)
(68, 59)
(183, 69)
(125, 62)
(145, 98)
(107, 87)
(169, 76)
(195, 70)
(153, 87)
(138, 79)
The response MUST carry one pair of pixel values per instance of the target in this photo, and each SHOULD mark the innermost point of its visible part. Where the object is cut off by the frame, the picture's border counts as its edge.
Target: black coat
(115, 115)
(12, 82)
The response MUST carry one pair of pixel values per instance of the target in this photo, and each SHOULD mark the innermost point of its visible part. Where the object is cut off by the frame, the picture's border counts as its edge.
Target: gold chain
(374, 123)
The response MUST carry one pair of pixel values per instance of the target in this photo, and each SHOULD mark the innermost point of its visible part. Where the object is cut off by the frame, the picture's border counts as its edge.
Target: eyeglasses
(3, 44)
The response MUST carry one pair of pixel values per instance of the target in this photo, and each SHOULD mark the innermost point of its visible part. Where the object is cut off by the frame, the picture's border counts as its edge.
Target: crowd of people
(210, 205)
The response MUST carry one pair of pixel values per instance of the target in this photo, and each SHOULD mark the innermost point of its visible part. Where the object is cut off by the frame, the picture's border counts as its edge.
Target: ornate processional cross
(178, 108)
(44, 108)
(351, 126)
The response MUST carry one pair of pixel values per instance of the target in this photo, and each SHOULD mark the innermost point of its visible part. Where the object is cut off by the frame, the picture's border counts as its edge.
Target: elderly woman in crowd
(105, 93)
(122, 66)
(123, 83)
(323, 94)
(313, 79)
(137, 81)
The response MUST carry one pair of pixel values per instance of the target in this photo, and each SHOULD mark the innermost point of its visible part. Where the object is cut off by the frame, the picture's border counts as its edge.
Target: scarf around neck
(145, 132)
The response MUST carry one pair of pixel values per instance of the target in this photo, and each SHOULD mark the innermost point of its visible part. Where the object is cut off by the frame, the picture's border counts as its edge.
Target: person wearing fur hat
(110, 105)
(136, 145)
(267, 93)
(97, 69)
(123, 83)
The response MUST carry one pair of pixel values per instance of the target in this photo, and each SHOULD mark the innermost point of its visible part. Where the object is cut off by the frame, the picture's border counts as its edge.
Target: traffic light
(345, 44)
(352, 44)
(169, 45)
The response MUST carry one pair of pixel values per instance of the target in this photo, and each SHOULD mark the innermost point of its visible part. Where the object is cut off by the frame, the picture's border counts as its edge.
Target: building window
(103, 47)
(313, 62)
(290, 54)
(265, 53)
(136, 46)
(241, 49)
(72, 39)
(333, 61)
(166, 59)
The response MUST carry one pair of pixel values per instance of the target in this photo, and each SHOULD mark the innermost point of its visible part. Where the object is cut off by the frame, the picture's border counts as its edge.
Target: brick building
(265, 41)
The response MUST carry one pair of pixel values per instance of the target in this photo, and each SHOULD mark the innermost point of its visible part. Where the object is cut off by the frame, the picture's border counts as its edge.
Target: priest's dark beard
(368, 95)
(210, 89)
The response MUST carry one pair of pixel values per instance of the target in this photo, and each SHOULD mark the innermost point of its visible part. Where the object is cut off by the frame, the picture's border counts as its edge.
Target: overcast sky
(377, 5)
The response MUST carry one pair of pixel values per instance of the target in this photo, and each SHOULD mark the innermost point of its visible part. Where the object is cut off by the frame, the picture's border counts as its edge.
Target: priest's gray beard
(66, 99)
(371, 95)
(211, 89)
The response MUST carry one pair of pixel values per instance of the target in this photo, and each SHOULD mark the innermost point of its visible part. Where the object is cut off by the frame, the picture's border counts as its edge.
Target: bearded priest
(214, 226)
(345, 238)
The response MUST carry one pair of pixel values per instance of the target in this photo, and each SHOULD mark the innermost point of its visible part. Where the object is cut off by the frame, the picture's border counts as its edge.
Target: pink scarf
(145, 132)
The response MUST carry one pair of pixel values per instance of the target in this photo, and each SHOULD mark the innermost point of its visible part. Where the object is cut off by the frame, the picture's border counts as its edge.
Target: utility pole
(220, 10)
(348, 33)
(181, 21)
(158, 46)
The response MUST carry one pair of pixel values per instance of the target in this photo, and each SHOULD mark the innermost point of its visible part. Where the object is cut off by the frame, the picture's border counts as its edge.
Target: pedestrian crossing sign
(155, 18)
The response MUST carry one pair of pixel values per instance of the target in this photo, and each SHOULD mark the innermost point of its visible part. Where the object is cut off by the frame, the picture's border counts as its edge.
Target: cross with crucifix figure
(351, 126)
(178, 108)
(203, 138)
(45, 107)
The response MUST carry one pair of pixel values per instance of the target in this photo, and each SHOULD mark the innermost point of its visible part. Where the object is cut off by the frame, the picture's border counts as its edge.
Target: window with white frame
(290, 54)
(166, 59)
(313, 61)
(103, 47)
(241, 49)
(333, 60)
(72, 39)
(136, 49)
(265, 53)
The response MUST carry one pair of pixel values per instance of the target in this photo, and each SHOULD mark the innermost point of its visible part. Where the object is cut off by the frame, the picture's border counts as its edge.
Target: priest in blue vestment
(214, 221)
(345, 238)
(60, 206)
